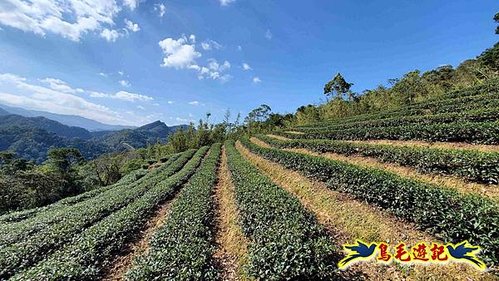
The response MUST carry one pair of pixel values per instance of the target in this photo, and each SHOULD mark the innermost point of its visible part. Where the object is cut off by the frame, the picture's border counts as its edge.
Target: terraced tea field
(280, 206)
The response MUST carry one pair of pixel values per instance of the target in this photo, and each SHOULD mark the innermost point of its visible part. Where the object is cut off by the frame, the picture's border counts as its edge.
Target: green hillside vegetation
(32, 137)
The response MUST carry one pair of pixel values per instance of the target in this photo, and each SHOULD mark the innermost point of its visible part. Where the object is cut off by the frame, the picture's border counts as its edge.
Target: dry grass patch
(294, 132)
(348, 219)
(449, 182)
(278, 137)
(139, 246)
(232, 246)
(446, 181)
(444, 145)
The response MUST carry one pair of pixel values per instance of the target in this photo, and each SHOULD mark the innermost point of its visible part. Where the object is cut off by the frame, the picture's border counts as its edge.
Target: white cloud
(61, 86)
(102, 74)
(171, 102)
(161, 8)
(182, 54)
(17, 91)
(124, 83)
(256, 80)
(132, 4)
(214, 70)
(184, 120)
(121, 73)
(205, 46)
(110, 35)
(121, 95)
(268, 34)
(141, 107)
(226, 2)
(178, 53)
(225, 78)
(131, 26)
(214, 65)
(195, 103)
(239, 48)
(247, 66)
(210, 44)
(68, 18)
(225, 65)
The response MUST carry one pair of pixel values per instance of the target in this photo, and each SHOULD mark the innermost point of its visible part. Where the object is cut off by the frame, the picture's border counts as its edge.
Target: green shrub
(469, 164)
(182, 248)
(92, 249)
(450, 216)
(31, 240)
(286, 241)
(480, 115)
(472, 132)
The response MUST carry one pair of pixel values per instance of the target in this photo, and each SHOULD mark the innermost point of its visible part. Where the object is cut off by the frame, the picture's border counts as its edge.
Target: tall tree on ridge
(338, 87)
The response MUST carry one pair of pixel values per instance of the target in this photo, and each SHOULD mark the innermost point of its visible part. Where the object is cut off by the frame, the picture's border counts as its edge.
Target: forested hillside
(32, 137)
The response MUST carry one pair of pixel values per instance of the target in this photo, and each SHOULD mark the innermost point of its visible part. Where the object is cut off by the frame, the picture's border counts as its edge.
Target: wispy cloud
(122, 95)
(61, 86)
(18, 91)
(131, 4)
(209, 44)
(125, 83)
(133, 27)
(161, 9)
(246, 67)
(111, 35)
(268, 35)
(257, 80)
(226, 2)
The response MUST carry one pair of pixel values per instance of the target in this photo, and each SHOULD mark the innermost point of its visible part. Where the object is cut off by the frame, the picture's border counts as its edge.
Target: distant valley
(30, 134)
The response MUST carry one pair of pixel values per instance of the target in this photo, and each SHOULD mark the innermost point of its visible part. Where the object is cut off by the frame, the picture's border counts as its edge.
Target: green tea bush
(286, 241)
(182, 248)
(450, 216)
(469, 164)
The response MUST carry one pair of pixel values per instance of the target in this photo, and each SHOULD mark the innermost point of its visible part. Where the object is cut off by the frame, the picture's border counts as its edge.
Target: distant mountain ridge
(69, 120)
(32, 137)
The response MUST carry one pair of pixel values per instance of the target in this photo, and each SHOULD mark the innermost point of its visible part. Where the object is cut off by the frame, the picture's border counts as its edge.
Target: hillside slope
(69, 120)
(32, 137)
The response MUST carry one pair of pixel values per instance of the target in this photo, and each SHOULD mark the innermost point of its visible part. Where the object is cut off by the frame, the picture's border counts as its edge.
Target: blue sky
(132, 62)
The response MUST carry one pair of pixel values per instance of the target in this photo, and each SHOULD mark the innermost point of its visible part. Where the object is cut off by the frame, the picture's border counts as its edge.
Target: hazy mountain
(44, 124)
(32, 137)
(70, 120)
(3, 112)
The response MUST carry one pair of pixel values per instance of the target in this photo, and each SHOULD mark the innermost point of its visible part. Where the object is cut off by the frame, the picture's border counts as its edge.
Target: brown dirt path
(139, 246)
(231, 253)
